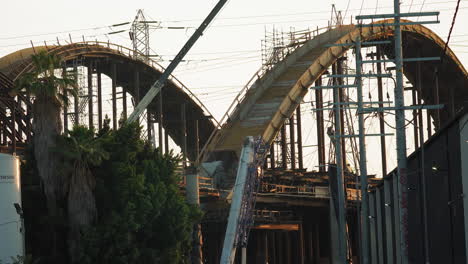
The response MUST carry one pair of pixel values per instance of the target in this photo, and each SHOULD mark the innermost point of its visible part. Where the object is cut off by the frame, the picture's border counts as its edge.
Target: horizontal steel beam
(392, 108)
(370, 75)
(401, 24)
(415, 14)
(368, 43)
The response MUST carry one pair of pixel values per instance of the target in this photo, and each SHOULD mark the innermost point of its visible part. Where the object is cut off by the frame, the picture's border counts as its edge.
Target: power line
(227, 18)
(450, 31)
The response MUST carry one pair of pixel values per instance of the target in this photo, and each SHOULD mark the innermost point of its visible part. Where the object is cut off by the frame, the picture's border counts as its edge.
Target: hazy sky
(228, 54)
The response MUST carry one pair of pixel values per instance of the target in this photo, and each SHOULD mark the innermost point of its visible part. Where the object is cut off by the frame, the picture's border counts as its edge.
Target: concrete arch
(274, 95)
(105, 55)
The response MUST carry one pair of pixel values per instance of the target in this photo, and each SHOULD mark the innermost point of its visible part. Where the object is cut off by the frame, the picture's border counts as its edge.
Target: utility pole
(362, 160)
(399, 108)
(401, 137)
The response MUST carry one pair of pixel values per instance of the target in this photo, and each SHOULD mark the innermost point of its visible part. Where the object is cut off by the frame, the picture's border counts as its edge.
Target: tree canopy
(141, 215)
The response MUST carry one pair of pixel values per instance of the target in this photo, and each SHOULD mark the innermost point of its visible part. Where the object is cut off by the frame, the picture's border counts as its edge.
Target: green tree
(142, 216)
(49, 92)
(80, 151)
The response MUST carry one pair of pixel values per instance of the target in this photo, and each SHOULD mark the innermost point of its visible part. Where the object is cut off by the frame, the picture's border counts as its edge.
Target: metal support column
(160, 120)
(436, 101)
(292, 140)
(301, 244)
(197, 140)
(272, 156)
(341, 99)
(422, 163)
(90, 96)
(13, 123)
(136, 80)
(166, 142)
(299, 137)
(65, 115)
(149, 126)
(65, 107)
(383, 147)
(415, 119)
(284, 149)
(341, 225)
(99, 95)
(114, 95)
(124, 103)
(362, 160)
(183, 120)
(76, 100)
(401, 137)
(320, 125)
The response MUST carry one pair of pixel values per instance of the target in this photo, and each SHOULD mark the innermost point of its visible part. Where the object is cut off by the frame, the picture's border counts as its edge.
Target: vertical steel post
(13, 123)
(90, 96)
(383, 147)
(137, 86)
(320, 125)
(99, 96)
(292, 140)
(76, 99)
(124, 103)
(272, 155)
(160, 121)
(415, 119)
(149, 126)
(301, 244)
(341, 99)
(114, 95)
(422, 165)
(65, 109)
(437, 101)
(401, 138)
(283, 147)
(166, 142)
(362, 160)
(65, 115)
(184, 132)
(4, 135)
(299, 137)
(342, 239)
(197, 141)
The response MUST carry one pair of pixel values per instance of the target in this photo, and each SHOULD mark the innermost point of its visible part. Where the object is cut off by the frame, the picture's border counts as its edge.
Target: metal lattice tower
(139, 34)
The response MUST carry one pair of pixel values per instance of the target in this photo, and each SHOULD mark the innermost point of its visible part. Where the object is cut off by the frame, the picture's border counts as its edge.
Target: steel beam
(401, 137)
(114, 94)
(383, 147)
(90, 96)
(320, 126)
(292, 140)
(299, 137)
(284, 149)
(99, 95)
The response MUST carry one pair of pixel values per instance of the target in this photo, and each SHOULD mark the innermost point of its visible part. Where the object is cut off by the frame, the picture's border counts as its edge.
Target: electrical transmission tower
(139, 34)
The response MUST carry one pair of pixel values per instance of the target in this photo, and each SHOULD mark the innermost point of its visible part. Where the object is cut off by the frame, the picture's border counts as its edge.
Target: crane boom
(158, 85)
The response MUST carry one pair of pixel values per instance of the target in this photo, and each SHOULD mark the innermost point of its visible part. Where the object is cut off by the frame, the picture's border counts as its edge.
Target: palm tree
(50, 95)
(80, 151)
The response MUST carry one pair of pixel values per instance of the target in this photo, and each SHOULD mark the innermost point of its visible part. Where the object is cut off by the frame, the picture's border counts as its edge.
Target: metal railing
(239, 99)
(116, 50)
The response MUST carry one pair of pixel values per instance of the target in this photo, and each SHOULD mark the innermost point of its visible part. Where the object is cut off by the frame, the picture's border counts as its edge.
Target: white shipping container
(11, 225)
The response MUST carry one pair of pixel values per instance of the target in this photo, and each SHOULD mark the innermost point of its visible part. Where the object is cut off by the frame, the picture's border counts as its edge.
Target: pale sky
(229, 52)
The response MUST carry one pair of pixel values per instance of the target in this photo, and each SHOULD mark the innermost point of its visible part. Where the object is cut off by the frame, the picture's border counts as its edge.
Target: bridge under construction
(288, 213)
